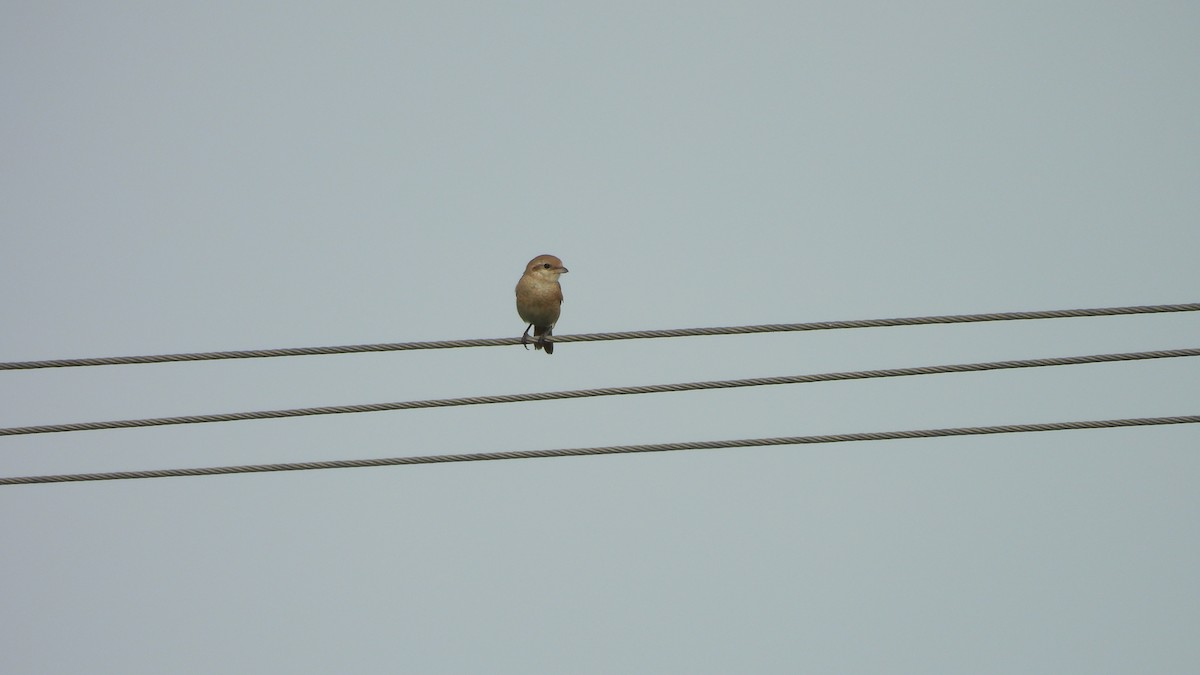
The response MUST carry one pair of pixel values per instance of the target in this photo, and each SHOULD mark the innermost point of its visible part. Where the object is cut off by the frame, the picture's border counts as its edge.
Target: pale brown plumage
(539, 299)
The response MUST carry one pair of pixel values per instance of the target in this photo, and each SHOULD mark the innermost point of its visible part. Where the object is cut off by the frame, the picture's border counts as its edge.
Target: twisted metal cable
(606, 450)
(606, 391)
(595, 337)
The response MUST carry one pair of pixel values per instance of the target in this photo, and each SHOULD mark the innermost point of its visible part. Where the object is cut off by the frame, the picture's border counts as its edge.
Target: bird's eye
(546, 265)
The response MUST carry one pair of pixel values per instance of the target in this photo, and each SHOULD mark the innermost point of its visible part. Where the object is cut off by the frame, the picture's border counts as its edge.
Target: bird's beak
(563, 270)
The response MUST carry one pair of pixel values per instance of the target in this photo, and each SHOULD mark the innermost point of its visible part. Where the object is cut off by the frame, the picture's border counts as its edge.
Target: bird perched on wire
(539, 299)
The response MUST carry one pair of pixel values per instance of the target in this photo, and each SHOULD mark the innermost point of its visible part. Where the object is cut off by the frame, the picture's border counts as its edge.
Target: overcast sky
(190, 176)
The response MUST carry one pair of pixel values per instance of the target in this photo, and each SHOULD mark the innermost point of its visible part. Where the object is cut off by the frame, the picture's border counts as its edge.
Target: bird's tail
(543, 338)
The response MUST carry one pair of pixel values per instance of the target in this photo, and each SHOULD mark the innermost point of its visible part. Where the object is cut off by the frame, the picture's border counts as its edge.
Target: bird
(539, 299)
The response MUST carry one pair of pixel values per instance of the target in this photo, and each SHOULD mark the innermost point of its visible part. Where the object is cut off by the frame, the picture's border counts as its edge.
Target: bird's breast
(538, 302)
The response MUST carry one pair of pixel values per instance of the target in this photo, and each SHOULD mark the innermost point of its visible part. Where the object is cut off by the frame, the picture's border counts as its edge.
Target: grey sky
(206, 176)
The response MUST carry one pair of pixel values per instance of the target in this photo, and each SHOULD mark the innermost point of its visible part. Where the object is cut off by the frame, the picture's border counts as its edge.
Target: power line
(605, 450)
(595, 337)
(608, 391)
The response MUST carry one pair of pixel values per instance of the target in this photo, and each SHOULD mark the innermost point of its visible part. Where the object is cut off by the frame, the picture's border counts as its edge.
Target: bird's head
(545, 267)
